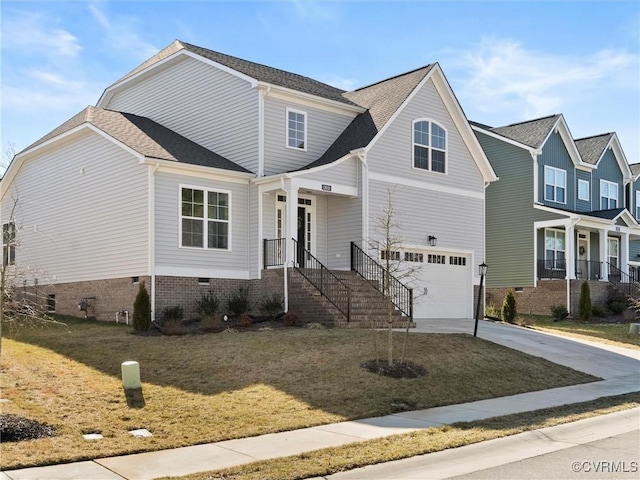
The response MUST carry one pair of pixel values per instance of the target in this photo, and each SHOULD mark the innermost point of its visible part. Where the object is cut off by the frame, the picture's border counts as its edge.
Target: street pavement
(618, 367)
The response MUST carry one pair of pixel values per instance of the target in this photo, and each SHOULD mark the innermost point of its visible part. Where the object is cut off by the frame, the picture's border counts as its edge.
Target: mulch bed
(397, 369)
(14, 428)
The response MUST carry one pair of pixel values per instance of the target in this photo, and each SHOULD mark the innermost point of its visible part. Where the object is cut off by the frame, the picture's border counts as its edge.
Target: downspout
(152, 235)
(534, 156)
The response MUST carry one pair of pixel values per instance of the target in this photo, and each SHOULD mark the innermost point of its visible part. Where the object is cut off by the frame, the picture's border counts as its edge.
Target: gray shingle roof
(531, 133)
(146, 137)
(591, 148)
(382, 100)
(608, 214)
(256, 71)
(635, 169)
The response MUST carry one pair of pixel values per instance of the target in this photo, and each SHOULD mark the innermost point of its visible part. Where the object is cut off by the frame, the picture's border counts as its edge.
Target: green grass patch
(328, 461)
(208, 388)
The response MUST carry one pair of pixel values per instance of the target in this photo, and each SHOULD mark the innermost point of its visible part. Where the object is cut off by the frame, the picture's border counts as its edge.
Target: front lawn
(207, 388)
(616, 333)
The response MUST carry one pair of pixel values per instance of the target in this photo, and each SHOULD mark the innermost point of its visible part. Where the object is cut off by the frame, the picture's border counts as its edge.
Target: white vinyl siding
(171, 256)
(555, 185)
(322, 128)
(345, 226)
(213, 108)
(82, 211)
(392, 153)
(608, 195)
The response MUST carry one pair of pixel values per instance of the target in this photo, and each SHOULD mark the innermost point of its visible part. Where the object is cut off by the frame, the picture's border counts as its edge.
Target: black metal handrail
(330, 286)
(400, 295)
(274, 252)
(588, 270)
(548, 269)
(623, 282)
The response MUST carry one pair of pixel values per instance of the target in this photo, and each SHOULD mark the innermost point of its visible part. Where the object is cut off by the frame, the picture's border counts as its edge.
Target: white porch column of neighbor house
(604, 271)
(624, 252)
(571, 251)
(291, 228)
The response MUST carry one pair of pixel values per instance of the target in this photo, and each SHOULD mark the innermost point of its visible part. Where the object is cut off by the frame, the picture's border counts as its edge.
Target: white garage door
(443, 287)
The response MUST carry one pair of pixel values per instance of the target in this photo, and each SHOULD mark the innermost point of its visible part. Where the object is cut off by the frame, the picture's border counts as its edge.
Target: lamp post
(483, 271)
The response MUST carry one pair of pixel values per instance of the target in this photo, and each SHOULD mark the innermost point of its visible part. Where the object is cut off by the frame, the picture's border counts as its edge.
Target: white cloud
(312, 10)
(33, 34)
(504, 75)
(339, 82)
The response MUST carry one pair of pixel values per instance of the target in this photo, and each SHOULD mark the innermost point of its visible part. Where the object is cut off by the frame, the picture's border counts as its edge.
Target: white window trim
(555, 169)
(580, 181)
(637, 205)
(429, 147)
(205, 219)
(545, 245)
(9, 243)
(602, 184)
(286, 127)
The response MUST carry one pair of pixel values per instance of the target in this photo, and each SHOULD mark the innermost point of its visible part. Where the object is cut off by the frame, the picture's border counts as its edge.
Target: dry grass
(611, 333)
(337, 459)
(207, 388)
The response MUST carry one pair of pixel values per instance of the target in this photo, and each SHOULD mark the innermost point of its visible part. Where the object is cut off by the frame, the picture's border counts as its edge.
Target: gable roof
(256, 71)
(382, 100)
(592, 148)
(144, 136)
(532, 133)
(635, 169)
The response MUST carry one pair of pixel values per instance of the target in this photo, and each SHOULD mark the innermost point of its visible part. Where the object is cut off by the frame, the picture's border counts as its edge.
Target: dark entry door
(302, 238)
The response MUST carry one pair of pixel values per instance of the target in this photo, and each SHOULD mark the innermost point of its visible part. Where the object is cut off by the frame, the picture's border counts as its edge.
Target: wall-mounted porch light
(432, 240)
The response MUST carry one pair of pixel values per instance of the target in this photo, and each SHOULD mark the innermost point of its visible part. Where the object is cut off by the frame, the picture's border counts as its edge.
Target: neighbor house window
(205, 218)
(555, 184)
(554, 248)
(9, 243)
(583, 190)
(51, 302)
(612, 251)
(608, 195)
(296, 129)
(638, 205)
(429, 146)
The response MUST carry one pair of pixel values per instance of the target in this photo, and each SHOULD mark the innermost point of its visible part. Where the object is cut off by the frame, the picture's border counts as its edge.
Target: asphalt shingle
(531, 133)
(592, 148)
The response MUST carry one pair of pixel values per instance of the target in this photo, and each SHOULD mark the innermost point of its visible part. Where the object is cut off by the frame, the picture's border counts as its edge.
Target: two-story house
(558, 215)
(200, 171)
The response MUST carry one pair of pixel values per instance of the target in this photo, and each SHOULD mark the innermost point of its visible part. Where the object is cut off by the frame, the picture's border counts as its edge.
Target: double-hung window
(554, 249)
(9, 243)
(429, 146)
(296, 129)
(555, 184)
(205, 218)
(608, 195)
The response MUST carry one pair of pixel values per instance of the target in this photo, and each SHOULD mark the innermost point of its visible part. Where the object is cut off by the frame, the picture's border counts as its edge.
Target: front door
(582, 267)
(305, 233)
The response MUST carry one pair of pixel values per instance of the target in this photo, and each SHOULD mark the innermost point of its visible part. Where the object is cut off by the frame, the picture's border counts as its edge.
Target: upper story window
(205, 218)
(429, 146)
(583, 190)
(296, 129)
(9, 243)
(608, 195)
(555, 184)
(638, 205)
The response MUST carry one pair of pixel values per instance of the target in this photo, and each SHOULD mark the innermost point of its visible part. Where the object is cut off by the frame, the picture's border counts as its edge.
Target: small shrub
(238, 303)
(172, 314)
(271, 306)
(290, 319)
(618, 306)
(208, 304)
(492, 311)
(211, 323)
(559, 312)
(245, 320)
(598, 311)
(584, 308)
(142, 310)
(509, 311)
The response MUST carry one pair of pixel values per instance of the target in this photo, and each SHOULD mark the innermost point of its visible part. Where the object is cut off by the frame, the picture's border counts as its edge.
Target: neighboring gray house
(199, 171)
(559, 212)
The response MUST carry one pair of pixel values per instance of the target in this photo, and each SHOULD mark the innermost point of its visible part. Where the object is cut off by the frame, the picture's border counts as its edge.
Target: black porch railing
(274, 252)
(623, 282)
(365, 266)
(330, 286)
(588, 270)
(551, 269)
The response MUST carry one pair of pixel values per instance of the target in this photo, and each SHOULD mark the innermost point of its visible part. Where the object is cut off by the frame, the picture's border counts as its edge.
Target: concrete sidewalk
(619, 368)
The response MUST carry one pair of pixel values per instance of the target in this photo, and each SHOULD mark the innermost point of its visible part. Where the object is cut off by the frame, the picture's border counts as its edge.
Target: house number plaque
(326, 188)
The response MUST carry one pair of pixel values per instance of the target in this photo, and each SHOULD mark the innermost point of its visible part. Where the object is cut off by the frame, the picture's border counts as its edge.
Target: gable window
(429, 146)
(583, 190)
(296, 129)
(555, 184)
(638, 205)
(554, 249)
(9, 243)
(205, 218)
(608, 195)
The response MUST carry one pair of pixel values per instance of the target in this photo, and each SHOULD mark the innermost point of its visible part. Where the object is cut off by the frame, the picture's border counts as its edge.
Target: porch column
(571, 252)
(624, 252)
(604, 271)
(291, 229)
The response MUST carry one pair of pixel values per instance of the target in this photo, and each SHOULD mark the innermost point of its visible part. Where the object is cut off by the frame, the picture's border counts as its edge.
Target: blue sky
(507, 61)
